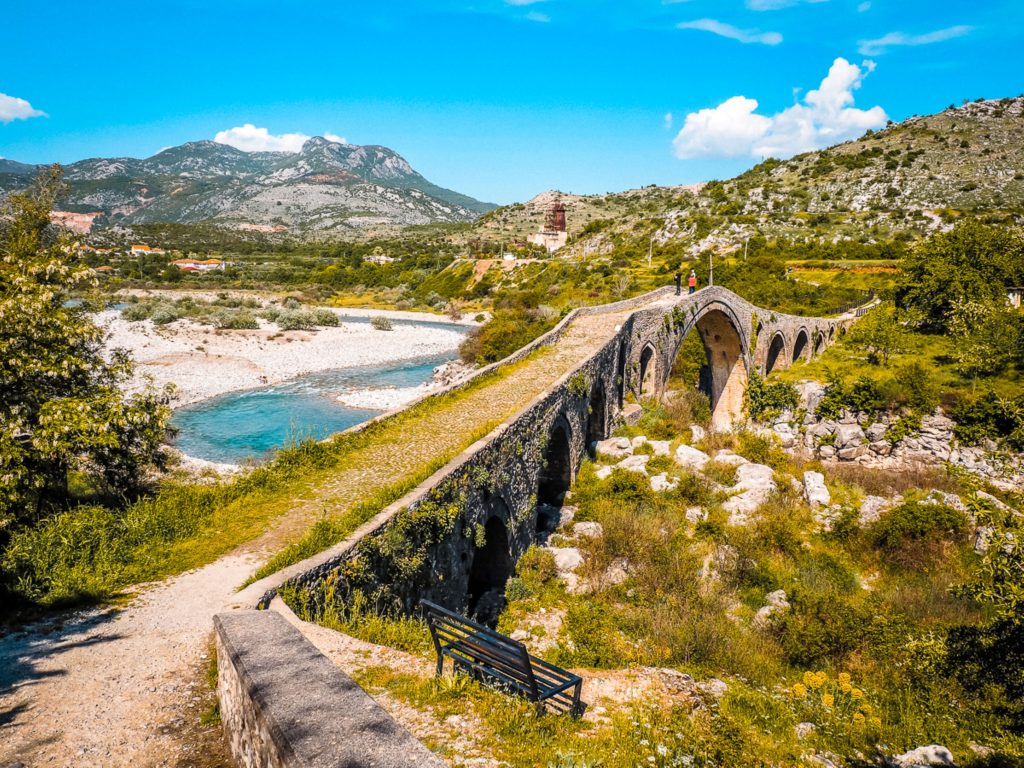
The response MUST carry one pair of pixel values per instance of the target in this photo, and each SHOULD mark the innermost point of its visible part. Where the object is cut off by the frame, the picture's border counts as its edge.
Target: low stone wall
(868, 439)
(285, 705)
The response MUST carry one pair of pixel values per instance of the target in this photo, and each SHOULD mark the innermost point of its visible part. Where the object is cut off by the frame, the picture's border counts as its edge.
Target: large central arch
(724, 378)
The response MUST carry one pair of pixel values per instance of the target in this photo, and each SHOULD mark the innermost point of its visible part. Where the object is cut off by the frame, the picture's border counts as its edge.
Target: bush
(766, 401)
(989, 417)
(821, 627)
(325, 318)
(381, 323)
(239, 320)
(911, 534)
(136, 312)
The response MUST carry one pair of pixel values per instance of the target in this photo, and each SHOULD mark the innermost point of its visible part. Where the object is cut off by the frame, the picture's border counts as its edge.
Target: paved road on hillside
(120, 688)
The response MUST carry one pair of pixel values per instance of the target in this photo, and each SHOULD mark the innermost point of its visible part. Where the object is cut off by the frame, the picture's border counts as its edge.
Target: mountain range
(327, 187)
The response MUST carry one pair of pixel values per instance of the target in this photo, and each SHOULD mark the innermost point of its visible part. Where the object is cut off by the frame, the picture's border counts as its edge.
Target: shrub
(135, 312)
(989, 417)
(239, 320)
(766, 401)
(325, 318)
(381, 323)
(821, 627)
(910, 534)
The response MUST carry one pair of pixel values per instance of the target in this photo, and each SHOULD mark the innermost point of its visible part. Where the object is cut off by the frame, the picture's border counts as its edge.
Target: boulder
(851, 452)
(635, 464)
(810, 394)
(661, 447)
(754, 484)
(631, 413)
(565, 515)
(660, 483)
(691, 458)
(615, 447)
(589, 530)
(872, 507)
(922, 757)
(697, 433)
(714, 687)
(567, 559)
(726, 456)
(849, 435)
(775, 604)
(827, 451)
(638, 441)
(875, 432)
(815, 492)
(603, 473)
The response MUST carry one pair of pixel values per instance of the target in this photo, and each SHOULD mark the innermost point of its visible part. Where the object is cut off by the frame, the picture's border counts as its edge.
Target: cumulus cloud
(826, 116)
(879, 45)
(12, 108)
(722, 29)
(249, 138)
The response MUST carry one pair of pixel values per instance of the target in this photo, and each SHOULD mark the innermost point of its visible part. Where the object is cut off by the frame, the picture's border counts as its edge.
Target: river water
(248, 425)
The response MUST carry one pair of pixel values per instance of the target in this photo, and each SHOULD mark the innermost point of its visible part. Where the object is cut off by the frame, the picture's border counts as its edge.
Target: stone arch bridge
(466, 526)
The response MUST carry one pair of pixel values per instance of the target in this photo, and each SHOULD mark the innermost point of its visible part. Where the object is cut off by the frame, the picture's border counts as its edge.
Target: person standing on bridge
(692, 281)
(679, 283)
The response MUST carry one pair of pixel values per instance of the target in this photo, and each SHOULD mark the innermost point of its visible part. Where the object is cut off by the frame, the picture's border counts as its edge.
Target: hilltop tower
(552, 235)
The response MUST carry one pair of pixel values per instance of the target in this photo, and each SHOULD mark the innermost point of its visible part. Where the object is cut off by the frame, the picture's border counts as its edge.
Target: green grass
(90, 553)
(861, 653)
(932, 351)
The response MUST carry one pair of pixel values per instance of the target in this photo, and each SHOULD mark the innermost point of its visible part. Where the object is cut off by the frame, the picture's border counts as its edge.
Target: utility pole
(650, 252)
(745, 244)
(711, 267)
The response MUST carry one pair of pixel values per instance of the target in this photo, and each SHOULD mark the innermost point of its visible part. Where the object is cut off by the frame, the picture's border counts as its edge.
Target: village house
(199, 265)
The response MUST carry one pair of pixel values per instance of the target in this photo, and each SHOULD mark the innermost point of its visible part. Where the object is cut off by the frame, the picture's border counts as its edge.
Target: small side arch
(776, 358)
(800, 345)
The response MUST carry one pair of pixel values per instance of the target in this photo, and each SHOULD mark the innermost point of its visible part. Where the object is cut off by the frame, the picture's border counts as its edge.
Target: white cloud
(668, 120)
(774, 5)
(878, 46)
(825, 117)
(249, 138)
(541, 18)
(865, 6)
(13, 108)
(733, 33)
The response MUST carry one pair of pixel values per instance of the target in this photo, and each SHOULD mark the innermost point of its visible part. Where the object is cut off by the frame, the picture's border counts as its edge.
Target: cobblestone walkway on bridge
(400, 452)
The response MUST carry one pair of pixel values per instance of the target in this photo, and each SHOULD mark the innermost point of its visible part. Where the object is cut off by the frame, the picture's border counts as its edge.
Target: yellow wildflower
(815, 679)
(844, 678)
(856, 693)
(858, 719)
(865, 708)
(828, 700)
(799, 690)
(876, 722)
(845, 687)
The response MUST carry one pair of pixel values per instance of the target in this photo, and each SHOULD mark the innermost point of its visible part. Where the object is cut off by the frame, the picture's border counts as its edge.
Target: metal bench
(501, 661)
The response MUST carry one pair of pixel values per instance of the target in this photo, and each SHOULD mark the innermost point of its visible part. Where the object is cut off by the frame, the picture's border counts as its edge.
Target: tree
(62, 406)
(986, 336)
(972, 262)
(880, 334)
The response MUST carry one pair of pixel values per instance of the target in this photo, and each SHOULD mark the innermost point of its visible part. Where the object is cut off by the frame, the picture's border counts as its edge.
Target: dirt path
(121, 687)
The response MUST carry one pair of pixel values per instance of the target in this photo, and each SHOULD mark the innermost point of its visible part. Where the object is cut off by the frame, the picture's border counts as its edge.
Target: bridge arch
(819, 342)
(800, 346)
(724, 378)
(597, 415)
(492, 565)
(776, 356)
(647, 377)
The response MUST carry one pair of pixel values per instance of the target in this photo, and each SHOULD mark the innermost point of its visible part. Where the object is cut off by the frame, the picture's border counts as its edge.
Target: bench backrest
(507, 658)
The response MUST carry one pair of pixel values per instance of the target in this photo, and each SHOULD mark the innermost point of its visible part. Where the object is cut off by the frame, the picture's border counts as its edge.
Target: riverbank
(203, 362)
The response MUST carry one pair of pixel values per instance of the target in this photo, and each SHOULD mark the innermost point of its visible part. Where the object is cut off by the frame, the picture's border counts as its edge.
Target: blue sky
(499, 99)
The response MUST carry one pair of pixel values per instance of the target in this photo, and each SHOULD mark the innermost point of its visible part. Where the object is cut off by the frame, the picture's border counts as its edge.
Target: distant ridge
(326, 187)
